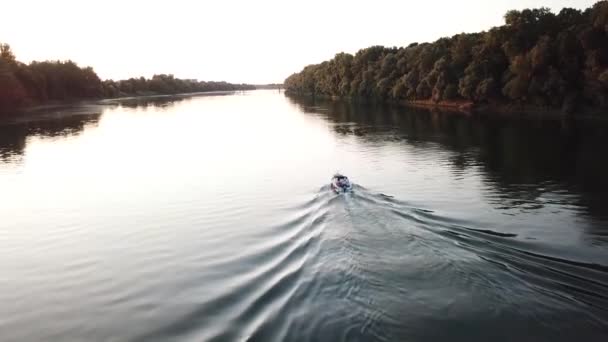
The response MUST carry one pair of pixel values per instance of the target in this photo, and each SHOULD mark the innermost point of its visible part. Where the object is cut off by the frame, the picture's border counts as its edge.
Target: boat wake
(365, 266)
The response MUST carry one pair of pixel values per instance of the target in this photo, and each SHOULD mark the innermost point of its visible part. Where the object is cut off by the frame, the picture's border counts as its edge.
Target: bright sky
(248, 41)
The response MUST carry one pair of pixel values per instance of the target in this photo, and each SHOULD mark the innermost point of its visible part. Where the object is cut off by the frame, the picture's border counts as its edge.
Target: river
(210, 218)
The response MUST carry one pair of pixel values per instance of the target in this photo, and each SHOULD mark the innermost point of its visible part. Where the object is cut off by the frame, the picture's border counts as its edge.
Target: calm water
(209, 219)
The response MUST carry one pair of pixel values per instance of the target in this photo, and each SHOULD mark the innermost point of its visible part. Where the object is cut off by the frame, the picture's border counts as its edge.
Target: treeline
(39, 82)
(165, 84)
(537, 58)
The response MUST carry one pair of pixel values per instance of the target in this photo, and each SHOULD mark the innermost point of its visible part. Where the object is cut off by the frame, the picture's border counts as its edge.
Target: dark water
(210, 219)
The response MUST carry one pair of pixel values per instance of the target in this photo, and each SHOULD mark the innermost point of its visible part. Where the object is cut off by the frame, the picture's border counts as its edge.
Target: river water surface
(209, 218)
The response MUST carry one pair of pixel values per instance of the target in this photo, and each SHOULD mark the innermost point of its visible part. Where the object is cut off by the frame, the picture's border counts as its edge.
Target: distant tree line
(38, 82)
(537, 58)
(165, 84)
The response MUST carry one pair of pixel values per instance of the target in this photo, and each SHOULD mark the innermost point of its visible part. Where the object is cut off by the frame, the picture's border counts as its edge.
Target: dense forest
(39, 82)
(537, 58)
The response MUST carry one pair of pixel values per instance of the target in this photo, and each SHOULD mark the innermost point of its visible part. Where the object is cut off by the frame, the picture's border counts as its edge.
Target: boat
(341, 184)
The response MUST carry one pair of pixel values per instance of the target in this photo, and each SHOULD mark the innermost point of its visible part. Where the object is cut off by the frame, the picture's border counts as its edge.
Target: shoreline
(511, 109)
(465, 107)
(30, 107)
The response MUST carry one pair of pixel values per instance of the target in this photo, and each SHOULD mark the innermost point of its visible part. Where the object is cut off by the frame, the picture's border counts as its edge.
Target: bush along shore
(537, 60)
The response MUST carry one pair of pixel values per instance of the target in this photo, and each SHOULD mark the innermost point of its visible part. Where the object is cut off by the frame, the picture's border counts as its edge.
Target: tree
(65, 80)
(536, 57)
(11, 90)
(6, 54)
(599, 15)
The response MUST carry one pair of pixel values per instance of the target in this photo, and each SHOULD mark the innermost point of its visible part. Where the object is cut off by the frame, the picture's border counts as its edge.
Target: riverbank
(37, 106)
(470, 107)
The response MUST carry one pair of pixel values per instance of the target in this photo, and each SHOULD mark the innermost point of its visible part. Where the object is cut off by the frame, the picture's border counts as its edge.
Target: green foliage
(486, 90)
(450, 92)
(11, 90)
(164, 84)
(37, 82)
(6, 54)
(537, 57)
(604, 78)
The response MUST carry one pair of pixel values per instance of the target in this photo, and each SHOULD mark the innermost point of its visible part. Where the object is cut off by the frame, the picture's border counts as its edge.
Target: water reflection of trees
(66, 120)
(136, 102)
(519, 159)
(56, 122)
(160, 101)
